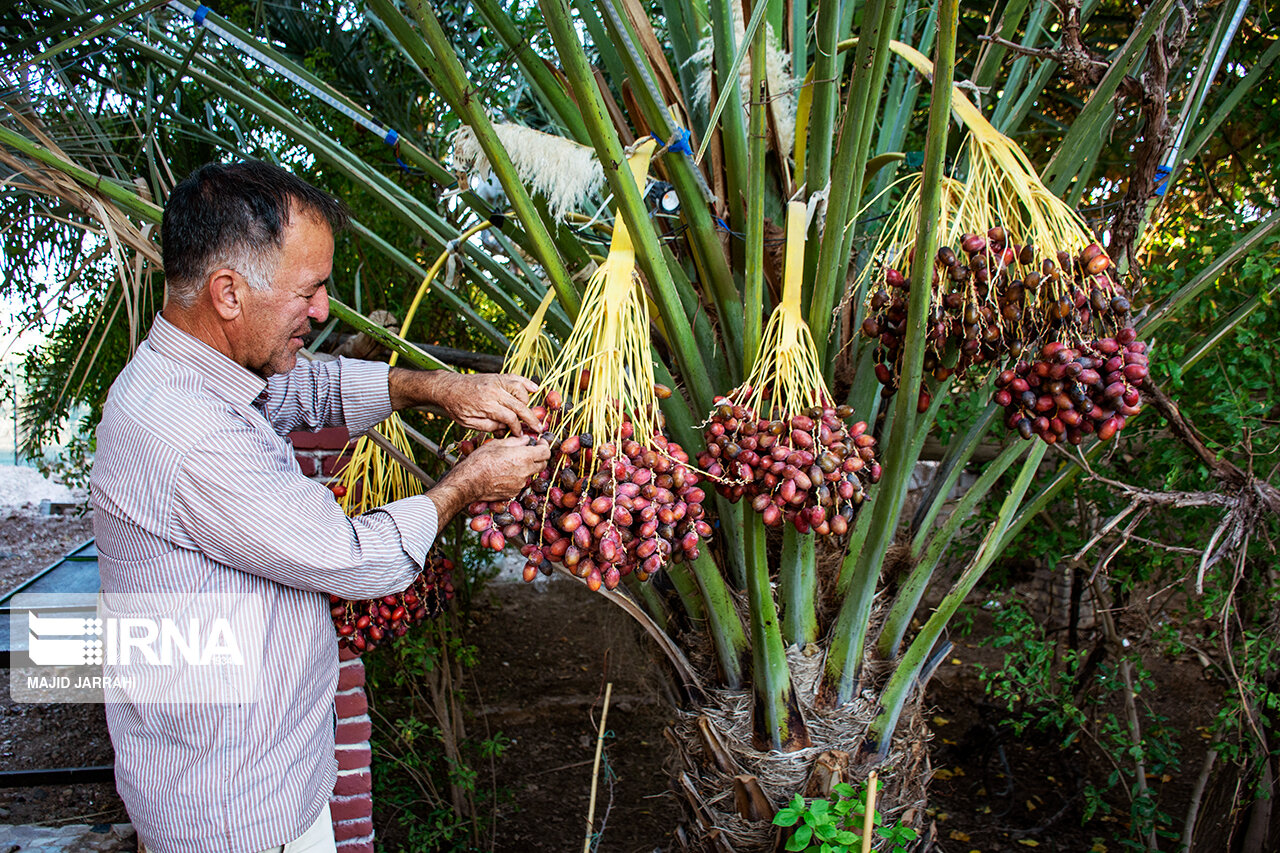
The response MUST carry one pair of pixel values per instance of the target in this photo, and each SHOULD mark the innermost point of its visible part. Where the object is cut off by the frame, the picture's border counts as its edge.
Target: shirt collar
(222, 376)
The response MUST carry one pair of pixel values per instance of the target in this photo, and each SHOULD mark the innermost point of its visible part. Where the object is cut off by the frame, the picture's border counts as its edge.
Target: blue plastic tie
(725, 225)
(679, 142)
(1162, 179)
(393, 139)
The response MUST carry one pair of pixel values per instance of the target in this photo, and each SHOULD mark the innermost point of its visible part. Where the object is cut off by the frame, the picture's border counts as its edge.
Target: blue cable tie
(727, 229)
(680, 142)
(198, 16)
(391, 138)
(1162, 179)
(404, 167)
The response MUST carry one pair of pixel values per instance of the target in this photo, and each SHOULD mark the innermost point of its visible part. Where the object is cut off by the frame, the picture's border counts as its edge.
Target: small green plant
(835, 825)
(1036, 681)
(428, 769)
(1056, 690)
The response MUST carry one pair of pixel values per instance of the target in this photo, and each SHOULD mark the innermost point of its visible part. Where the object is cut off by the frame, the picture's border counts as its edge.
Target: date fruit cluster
(991, 302)
(1069, 392)
(810, 470)
(602, 510)
(363, 625)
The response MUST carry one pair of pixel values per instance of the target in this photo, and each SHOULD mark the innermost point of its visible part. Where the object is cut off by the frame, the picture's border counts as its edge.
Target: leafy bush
(836, 825)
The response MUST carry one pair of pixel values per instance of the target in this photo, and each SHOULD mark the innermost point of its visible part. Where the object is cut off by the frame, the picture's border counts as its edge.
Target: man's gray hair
(256, 262)
(233, 217)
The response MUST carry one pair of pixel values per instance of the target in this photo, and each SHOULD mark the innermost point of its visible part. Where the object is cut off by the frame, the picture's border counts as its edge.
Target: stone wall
(352, 803)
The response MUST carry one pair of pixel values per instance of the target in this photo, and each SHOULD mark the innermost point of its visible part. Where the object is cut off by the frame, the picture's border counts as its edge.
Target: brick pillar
(320, 455)
(352, 802)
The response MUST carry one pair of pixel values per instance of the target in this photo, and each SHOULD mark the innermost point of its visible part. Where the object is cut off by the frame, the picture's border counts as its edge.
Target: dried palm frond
(130, 247)
(38, 179)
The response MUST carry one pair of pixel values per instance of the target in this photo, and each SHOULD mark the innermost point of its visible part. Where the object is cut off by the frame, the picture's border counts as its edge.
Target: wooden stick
(405, 462)
(435, 449)
(595, 768)
(869, 814)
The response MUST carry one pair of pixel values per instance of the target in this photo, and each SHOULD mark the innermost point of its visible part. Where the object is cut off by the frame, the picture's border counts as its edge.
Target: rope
(199, 17)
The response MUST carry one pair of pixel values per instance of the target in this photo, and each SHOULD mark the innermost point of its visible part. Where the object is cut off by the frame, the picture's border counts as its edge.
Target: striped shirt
(195, 490)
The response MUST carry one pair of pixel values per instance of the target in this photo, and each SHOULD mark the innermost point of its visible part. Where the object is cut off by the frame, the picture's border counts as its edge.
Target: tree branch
(1154, 136)
(1224, 471)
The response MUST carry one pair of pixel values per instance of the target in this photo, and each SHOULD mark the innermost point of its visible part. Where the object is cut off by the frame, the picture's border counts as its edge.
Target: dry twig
(1246, 499)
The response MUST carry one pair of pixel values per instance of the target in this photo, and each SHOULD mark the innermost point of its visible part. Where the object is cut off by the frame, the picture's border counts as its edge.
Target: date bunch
(363, 625)
(810, 470)
(1071, 391)
(603, 510)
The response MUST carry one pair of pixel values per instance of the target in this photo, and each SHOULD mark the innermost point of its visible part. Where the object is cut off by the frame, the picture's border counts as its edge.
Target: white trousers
(317, 839)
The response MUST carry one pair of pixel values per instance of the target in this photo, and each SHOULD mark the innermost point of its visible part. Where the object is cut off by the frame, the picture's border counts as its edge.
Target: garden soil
(48, 736)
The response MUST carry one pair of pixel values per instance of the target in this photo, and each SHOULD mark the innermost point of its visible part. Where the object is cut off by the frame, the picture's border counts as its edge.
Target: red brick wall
(352, 802)
(319, 455)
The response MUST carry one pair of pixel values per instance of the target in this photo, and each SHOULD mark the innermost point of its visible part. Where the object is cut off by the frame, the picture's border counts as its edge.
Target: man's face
(276, 320)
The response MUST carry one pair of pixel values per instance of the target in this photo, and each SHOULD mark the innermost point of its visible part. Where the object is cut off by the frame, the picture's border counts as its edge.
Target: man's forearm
(450, 496)
(417, 387)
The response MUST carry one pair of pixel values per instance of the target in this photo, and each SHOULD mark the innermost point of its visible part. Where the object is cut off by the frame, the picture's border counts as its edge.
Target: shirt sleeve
(238, 500)
(317, 394)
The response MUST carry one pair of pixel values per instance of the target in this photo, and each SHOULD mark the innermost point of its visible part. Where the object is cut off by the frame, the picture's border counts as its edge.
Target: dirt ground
(30, 541)
(544, 659)
(48, 736)
(995, 791)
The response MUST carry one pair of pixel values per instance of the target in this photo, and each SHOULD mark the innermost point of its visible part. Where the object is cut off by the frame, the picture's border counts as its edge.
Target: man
(196, 491)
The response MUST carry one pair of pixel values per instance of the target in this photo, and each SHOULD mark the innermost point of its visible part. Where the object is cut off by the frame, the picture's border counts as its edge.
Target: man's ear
(226, 289)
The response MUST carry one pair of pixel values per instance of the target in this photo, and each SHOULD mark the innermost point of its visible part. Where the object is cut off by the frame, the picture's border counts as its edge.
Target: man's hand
(497, 470)
(482, 401)
(490, 401)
